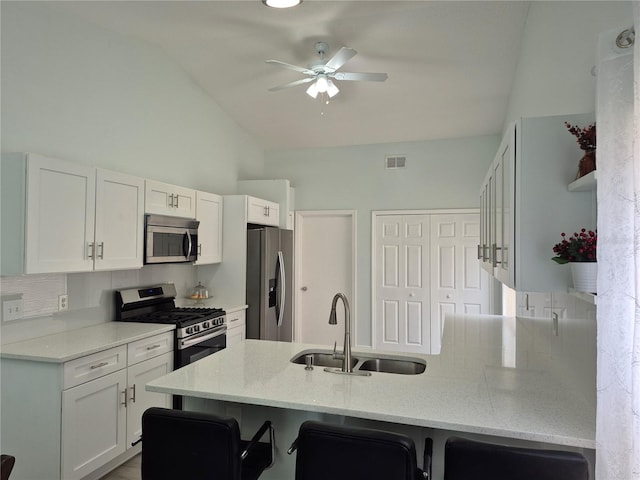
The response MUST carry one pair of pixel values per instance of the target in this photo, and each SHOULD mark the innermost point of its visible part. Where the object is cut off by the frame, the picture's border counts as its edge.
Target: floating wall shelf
(584, 184)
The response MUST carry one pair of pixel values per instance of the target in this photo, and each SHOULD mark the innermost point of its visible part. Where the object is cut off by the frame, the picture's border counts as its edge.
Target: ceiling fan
(323, 73)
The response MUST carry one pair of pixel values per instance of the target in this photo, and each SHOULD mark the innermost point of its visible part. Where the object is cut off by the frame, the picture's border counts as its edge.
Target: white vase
(585, 276)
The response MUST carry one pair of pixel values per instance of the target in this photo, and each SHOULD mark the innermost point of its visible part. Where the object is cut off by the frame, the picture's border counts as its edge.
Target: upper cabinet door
(165, 199)
(262, 212)
(60, 216)
(119, 221)
(209, 213)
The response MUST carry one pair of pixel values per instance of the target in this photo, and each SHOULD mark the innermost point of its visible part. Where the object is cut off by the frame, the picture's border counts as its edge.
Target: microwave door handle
(280, 285)
(187, 251)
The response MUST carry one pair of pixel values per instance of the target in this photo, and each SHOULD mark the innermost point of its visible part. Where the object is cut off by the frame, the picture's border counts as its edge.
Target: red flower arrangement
(580, 247)
(586, 136)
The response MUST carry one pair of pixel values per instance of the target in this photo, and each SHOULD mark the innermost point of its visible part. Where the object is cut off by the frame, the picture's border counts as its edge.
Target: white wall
(439, 174)
(558, 52)
(75, 91)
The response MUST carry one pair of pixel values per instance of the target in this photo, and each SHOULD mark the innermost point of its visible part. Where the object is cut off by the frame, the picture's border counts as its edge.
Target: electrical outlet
(12, 309)
(63, 302)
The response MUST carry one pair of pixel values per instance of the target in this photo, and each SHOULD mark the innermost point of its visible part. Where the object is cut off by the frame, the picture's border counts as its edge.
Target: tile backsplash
(90, 296)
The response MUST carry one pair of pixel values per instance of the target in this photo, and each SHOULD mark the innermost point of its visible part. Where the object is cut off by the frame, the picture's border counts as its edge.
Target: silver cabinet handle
(199, 249)
(101, 251)
(494, 254)
(133, 393)
(479, 252)
(90, 250)
(177, 197)
(153, 347)
(234, 319)
(171, 200)
(124, 398)
(98, 365)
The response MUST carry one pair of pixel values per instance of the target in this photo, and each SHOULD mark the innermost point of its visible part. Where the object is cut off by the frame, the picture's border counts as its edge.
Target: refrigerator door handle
(281, 285)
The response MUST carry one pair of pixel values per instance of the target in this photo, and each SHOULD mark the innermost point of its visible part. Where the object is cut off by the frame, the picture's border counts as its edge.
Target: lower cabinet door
(139, 399)
(93, 424)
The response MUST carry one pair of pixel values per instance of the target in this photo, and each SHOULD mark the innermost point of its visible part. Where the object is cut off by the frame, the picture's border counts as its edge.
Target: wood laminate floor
(127, 471)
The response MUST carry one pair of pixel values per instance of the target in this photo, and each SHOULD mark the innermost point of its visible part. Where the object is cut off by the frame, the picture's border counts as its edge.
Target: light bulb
(322, 83)
(281, 3)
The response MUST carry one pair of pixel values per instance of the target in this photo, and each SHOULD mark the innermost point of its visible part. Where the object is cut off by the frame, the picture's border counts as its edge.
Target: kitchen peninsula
(492, 380)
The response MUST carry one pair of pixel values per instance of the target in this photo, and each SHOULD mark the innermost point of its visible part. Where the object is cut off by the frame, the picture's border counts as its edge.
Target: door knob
(412, 294)
(304, 289)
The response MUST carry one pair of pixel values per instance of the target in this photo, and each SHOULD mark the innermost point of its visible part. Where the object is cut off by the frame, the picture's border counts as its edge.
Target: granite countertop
(68, 345)
(469, 387)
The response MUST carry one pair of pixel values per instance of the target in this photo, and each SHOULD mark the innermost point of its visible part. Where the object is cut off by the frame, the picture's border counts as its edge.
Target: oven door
(195, 347)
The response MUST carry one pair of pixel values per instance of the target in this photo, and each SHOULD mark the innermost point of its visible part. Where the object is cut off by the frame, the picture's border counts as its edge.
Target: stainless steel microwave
(170, 239)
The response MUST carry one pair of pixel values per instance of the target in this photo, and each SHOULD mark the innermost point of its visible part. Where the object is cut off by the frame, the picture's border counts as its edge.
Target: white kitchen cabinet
(138, 399)
(119, 229)
(236, 327)
(262, 212)
(93, 424)
(209, 214)
(69, 420)
(165, 199)
(525, 203)
(278, 191)
(59, 216)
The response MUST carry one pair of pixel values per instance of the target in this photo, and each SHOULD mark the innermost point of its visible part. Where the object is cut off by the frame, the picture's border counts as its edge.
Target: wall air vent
(392, 162)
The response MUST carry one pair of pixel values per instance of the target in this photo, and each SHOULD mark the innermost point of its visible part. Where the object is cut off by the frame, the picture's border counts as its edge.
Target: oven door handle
(195, 339)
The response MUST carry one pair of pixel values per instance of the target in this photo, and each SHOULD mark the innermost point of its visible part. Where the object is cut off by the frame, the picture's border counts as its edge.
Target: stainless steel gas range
(200, 332)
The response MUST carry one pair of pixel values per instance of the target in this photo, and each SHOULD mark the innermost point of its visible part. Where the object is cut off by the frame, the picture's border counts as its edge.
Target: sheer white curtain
(618, 157)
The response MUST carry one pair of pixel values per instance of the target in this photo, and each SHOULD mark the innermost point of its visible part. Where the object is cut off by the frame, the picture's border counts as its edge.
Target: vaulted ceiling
(450, 63)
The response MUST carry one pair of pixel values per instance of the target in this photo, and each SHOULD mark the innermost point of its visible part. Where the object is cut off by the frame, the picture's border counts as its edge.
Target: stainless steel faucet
(345, 356)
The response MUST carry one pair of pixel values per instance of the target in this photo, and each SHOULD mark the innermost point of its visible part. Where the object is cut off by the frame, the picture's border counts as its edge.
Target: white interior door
(458, 283)
(401, 285)
(325, 265)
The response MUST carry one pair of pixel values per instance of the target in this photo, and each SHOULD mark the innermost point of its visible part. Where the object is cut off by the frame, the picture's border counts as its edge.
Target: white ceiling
(450, 63)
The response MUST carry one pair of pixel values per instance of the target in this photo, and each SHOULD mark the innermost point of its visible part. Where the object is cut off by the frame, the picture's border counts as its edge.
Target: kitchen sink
(365, 362)
(321, 359)
(389, 365)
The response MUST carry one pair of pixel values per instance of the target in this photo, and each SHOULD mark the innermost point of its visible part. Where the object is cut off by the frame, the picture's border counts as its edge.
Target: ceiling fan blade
(368, 77)
(292, 84)
(295, 68)
(340, 58)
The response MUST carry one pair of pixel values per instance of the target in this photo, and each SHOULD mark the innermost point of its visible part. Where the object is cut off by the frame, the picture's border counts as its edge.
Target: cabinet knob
(304, 289)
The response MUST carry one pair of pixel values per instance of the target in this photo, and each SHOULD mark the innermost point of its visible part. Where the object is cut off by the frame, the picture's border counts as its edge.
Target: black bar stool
(179, 444)
(336, 452)
(472, 460)
(6, 465)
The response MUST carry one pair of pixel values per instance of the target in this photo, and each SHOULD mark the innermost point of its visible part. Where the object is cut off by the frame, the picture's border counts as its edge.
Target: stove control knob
(189, 330)
(196, 328)
(205, 325)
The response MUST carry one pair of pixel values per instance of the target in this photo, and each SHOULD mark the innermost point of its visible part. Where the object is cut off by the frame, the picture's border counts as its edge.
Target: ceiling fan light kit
(281, 3)
(323, 73)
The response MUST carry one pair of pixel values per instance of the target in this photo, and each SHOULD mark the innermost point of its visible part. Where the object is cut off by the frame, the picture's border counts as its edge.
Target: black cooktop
(177, 316)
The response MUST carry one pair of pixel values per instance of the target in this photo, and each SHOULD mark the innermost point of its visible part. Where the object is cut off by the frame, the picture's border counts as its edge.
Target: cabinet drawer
(236, 319)
(93, 366)
(150, 347)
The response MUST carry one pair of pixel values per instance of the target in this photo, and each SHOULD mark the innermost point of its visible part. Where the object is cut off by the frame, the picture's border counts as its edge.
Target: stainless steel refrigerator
(269, 284)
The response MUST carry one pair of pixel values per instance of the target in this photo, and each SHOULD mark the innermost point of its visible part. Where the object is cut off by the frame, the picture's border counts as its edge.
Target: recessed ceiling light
(281, 3)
